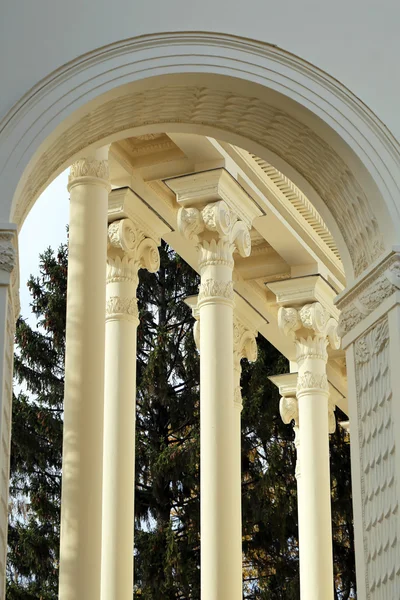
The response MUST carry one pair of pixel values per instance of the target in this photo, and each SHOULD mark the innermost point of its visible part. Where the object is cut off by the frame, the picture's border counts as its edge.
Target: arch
(246, 92)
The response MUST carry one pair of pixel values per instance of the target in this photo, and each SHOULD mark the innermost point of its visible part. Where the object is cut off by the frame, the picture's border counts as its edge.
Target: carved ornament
(378, 446)
(128, 251)
(211, 288)
(8, 253)
(369, 294)
(250, 117)
(312, 381)
(313, 317)
(289, 409)
(244, 346)
(118, 307)
(216, 231)
(89, 168)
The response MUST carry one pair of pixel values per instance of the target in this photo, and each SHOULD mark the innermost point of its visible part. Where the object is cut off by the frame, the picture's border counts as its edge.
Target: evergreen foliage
(167, 501)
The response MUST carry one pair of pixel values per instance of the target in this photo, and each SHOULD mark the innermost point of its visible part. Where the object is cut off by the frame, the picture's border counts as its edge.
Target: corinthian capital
(217, 232)
(128, 251)
(310, 321)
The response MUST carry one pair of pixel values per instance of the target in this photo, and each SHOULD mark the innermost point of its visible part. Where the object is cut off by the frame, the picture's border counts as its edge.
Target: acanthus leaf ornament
(312, 381)
(89, 168)
(210, 288)
(312, 328)
(217, 232)
(129, 250)
(118, 307)
(313, 317)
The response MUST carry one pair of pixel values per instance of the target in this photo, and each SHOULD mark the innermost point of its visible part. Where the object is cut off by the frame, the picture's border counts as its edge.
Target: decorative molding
(124, 235)
(303, 208)
(211, 288)
(217, 233)
(311, 350)
(369, 292)
(247, 116)
(122, 270)
(8, 253)
(312, 317)
(312, 381)
(207, 187)
(128, 251)
(244, 346)
(89, 168)
(289, 409)
(118, 307)
(378, 456)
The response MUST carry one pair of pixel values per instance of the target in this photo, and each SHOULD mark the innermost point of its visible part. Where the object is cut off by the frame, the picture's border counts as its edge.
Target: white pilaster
(9, 311)
(81, 512)
(370, 326)
(312, 328)
(132, 246)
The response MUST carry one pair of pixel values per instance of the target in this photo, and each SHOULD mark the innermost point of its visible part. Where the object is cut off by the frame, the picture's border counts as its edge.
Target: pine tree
(167, 426)
(167, 537)
(33, 537)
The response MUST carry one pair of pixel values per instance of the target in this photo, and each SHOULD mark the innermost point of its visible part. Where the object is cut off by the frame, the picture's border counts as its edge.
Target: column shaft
(315, 521)
(221, 526)
(119, 447)
(81, 512)
(312, 328)
(218, 233)
(129, 250)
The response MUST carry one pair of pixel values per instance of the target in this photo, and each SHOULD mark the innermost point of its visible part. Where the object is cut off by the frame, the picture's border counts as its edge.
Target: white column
(312, 329)
(80, 544)
(218, 234)
(129, 250)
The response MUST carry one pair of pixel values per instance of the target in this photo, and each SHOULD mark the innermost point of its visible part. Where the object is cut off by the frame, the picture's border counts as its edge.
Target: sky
(45, 226)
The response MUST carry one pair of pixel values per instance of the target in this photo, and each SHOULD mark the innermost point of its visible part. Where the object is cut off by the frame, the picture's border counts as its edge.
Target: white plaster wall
(355, 41)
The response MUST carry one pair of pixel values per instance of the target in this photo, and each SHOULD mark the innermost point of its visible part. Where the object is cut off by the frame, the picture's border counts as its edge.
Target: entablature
(291, 250)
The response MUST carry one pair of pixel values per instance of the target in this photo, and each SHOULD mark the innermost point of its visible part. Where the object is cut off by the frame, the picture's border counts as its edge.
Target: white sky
(45, 226)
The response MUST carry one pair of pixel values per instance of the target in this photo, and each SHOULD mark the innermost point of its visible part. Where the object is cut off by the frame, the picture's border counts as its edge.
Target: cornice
(298, 291)
(203, 187)
(123, 203)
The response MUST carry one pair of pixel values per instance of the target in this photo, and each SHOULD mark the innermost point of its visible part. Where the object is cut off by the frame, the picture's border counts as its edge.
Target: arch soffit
(275, 122)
